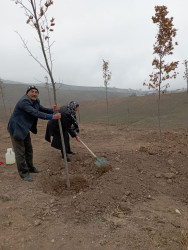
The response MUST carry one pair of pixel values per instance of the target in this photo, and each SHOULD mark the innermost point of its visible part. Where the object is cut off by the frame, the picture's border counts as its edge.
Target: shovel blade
(100, 161)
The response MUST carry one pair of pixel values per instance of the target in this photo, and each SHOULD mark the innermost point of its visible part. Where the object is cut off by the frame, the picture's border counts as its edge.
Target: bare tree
(3, 95)
(163, 47)
(186, 73)
(106, 77)
(36, 13)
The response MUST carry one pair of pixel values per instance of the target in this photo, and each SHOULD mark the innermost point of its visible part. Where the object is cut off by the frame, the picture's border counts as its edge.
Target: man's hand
(56, 108)
(77, 138)
(56, 116)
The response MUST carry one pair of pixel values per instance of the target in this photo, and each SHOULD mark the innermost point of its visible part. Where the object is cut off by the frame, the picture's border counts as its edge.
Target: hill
(65, 93)
(138, 111)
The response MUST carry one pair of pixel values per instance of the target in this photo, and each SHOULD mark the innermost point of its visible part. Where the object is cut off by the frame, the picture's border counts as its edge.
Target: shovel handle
(88, 148)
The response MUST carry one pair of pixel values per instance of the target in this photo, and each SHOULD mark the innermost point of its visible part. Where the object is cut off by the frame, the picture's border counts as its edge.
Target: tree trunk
(54, 91)
(158, 105)
(107, 104)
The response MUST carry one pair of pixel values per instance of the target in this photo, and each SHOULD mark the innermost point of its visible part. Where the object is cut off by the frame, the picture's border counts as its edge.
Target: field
(140, 111)
(139, 200)
(132, 111)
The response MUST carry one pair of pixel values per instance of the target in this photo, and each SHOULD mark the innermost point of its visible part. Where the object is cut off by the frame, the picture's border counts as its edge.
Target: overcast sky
(87, 31)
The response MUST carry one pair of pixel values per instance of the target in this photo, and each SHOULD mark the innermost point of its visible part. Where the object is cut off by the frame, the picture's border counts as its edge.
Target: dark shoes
(34, 170)
(68, 159)
(71, 153)
(27, 178)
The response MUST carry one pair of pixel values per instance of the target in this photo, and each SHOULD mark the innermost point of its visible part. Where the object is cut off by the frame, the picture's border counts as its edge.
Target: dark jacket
(69, 125)
(25, 117)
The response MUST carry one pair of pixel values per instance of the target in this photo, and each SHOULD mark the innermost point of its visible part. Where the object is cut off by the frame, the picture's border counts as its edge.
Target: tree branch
(26, 47)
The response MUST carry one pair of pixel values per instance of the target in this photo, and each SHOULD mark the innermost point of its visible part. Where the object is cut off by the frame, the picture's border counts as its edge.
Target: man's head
(32, 92)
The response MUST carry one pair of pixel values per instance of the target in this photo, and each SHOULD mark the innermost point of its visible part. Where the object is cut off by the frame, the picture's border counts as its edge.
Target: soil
(137, 200)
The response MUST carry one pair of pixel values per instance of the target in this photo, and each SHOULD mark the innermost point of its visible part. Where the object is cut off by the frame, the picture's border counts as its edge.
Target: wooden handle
(88, 148)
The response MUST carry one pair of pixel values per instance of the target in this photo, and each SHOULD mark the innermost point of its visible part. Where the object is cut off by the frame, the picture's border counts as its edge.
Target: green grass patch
(4, 198)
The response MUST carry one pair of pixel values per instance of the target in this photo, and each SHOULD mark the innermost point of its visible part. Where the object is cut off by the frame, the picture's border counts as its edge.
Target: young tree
(186, 73)
(163, 47)
(36, 13)
(3, 95)
(106, 77)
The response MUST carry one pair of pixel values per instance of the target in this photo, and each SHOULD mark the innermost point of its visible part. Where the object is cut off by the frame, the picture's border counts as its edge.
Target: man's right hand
(56, 116)
(56, 108)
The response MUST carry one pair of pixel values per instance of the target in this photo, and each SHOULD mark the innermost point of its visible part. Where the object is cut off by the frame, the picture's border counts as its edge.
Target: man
(69, 126)
(22, 121)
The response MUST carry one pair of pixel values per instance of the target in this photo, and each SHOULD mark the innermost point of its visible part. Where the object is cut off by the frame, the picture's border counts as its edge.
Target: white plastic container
(10, 156)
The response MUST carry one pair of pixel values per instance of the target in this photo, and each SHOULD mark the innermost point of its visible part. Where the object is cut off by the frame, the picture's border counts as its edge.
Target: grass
(184, 239)
(135, 111)
(139, 111)
(4, 198)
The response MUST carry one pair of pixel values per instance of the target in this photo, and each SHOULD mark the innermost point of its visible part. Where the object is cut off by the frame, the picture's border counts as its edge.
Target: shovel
(99, 161)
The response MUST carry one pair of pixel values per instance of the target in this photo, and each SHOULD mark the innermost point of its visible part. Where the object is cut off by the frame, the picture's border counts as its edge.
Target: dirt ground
(139, 200)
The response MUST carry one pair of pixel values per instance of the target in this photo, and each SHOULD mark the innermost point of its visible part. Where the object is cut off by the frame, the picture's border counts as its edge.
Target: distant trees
(106, 77)
(36, 13)
(186, 73)
(163, 47)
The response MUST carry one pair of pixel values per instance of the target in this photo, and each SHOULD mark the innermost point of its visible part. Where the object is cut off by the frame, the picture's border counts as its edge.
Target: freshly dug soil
(138, 200)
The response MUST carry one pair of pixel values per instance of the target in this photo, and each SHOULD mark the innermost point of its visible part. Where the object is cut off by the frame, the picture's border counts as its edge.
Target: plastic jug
(10, 156)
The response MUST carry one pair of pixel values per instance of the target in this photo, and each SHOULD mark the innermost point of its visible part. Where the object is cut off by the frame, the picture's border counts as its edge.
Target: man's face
(33, 94)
